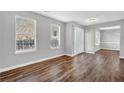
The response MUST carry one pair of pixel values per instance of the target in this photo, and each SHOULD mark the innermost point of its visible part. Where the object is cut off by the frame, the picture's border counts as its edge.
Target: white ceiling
(82, 17)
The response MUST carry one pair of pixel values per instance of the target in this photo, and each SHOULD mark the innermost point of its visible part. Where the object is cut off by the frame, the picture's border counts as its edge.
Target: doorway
(108, 38)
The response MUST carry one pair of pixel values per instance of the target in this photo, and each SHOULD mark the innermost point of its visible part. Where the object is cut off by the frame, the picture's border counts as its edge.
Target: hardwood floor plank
(103, 66)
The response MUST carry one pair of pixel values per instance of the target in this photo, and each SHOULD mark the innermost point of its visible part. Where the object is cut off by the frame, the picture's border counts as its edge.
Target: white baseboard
(37, 61)
(72, 55)
(121, 57)
(97, 49)
(110, 49)
(69, 55)
(90, 52)
(28, 63)
(100, 49)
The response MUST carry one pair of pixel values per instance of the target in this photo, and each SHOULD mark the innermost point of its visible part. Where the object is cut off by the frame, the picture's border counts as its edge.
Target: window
(55, 36)
(25, 31)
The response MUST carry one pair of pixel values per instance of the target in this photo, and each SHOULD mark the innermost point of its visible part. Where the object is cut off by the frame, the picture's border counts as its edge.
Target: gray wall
(110, 39)
(122, 41)
(7, 33)
(2, 56)
(69, 39)
(7, 38)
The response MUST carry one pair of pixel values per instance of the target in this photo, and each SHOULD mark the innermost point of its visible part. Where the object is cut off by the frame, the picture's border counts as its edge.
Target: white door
(78, 40)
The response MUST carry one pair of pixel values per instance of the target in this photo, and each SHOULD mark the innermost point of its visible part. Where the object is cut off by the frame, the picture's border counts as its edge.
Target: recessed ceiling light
(92, 20)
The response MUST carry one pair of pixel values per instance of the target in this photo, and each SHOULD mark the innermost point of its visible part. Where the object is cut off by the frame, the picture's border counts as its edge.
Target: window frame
(57, 37)
(34, 35)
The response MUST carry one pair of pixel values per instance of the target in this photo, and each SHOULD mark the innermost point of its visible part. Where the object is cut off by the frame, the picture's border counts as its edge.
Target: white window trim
(35, 35)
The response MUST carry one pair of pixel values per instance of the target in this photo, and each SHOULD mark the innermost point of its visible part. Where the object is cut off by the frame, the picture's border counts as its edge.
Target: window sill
(25, 51)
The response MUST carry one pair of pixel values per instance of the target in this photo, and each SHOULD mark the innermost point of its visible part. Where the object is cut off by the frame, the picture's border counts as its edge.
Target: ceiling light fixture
(92, 20)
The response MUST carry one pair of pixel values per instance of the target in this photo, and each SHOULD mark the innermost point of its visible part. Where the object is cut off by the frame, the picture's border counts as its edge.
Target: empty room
(62, 46)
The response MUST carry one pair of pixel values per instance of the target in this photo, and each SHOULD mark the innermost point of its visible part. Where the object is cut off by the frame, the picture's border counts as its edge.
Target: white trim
(111, 42)
(97, 49)
(25, 51)
(106, 49)
(29, 63)
(110, 49)
(75, 54)
(90, 52)
(121, 57)
(69, 55)
(100, 49)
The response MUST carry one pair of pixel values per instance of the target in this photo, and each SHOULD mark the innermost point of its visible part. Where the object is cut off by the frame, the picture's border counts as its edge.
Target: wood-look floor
(104, 66)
